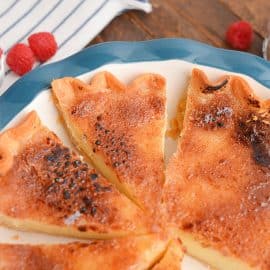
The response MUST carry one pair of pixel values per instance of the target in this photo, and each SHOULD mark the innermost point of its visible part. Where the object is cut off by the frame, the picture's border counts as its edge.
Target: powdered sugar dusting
(72, 218)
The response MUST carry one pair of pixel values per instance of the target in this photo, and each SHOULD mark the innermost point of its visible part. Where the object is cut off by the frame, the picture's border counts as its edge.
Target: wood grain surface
(202, 20)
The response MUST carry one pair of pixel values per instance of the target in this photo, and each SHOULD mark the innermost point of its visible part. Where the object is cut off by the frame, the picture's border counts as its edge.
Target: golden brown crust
(217, 185)
(172, 257)
(9, 145)
(122, 125)
(121, 254)
(45, 184)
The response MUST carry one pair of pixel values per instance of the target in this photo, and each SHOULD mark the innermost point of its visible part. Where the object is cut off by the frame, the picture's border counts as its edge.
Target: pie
(136, 253)
(217, 191)
(120, 128)
(46, 187)
(216, 197)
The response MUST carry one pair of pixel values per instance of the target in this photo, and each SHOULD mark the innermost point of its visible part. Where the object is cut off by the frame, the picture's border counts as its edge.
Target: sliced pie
(172, 257)
(120, 128)
(136, 253)
(217, 190)
(45, 187)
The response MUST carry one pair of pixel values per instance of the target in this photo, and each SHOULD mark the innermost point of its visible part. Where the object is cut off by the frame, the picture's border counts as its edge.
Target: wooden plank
(202, 20)
(214, 17)
(97, 39)
(121, 28)
(164, 21)
(256, 12)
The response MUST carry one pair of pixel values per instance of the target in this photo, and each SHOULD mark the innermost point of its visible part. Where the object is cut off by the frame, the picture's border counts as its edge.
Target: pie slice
(217, 190)
(47, 188)
(136, 253)
(172, 258)
(120, 128)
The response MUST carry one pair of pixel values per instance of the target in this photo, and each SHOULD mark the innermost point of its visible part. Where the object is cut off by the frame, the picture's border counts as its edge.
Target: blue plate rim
(24, 90)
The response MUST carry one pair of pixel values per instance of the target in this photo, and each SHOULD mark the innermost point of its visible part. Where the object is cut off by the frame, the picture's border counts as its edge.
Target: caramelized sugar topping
(253, 129)
(50, 175)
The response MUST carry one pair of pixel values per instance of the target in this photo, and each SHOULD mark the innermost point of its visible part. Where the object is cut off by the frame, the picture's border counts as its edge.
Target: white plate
(177, 74)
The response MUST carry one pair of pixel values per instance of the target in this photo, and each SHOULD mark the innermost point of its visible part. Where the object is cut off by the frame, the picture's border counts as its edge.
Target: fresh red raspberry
(20, 59)
(43, 45)
(239, 35)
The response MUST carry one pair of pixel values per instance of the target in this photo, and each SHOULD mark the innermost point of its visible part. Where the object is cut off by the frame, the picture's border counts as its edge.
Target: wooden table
(202, 20)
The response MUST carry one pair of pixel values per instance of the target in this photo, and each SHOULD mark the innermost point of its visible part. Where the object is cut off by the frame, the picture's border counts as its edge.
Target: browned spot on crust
(217, 114)
(82, 228)
(212, 88)
(254, 130)
(254, 102)
(65, 182)
(115, 145)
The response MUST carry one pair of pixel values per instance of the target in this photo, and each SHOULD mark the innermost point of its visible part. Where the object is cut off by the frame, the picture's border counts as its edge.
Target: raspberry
(43, 45)
(239, 35)
(20, 59)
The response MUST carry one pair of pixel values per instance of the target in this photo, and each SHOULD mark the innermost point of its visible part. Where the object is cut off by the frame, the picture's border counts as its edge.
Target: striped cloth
(73, 22)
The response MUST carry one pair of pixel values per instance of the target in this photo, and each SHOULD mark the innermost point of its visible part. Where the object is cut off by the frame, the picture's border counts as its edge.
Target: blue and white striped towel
(73, 22)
